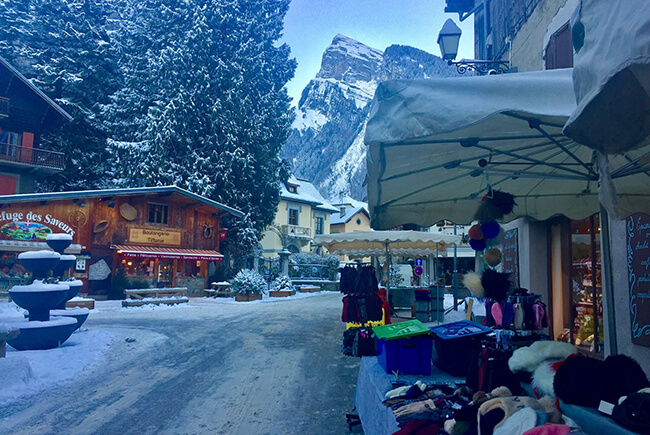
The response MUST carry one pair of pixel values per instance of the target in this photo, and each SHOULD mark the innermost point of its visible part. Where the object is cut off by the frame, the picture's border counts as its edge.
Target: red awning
(165, 253)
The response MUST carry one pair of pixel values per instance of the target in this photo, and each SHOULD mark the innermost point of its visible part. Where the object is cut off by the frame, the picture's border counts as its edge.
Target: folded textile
(549, 429)
(518, 423)
(419, 427)
(509, 405)
(414, 407)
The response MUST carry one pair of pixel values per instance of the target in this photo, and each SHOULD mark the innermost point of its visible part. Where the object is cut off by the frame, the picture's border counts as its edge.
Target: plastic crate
(400, 330)
(409, 356)
(455, 345)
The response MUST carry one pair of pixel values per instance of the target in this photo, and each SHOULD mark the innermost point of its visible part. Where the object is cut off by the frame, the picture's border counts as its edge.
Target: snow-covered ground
(25, 373)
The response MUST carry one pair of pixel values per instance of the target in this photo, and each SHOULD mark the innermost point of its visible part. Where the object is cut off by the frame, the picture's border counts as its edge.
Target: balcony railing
(296, 231)
(31, 157)
(4, 107)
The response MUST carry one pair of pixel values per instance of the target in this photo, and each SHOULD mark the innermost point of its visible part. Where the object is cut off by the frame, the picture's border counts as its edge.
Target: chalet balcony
(296, 231)
(15, 155)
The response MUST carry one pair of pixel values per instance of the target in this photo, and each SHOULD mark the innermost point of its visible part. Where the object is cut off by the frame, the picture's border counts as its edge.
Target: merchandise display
(363, 307)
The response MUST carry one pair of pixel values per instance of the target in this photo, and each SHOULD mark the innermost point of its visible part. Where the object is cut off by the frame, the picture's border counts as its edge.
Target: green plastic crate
(409, 328)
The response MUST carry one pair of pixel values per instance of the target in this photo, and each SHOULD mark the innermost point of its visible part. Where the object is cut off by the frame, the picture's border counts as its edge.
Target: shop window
(320, 224)
(293, 216)
(138, 267)
(158, 214)
(586, 285)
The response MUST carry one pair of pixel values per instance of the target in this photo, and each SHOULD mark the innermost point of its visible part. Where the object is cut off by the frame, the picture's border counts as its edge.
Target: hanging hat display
(490, 229)
(494, 206)
(492, 257)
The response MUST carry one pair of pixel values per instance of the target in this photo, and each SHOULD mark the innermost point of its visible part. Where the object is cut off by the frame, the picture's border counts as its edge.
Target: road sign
(418, 270)
(418, 262)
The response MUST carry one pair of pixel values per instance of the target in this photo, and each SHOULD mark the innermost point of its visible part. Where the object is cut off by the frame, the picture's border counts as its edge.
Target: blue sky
(310, 26)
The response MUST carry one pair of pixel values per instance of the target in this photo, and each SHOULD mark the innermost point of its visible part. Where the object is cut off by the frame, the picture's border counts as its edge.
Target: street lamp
(448, 40)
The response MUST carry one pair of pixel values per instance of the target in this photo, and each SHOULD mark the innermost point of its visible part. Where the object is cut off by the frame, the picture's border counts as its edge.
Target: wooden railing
(32, 156)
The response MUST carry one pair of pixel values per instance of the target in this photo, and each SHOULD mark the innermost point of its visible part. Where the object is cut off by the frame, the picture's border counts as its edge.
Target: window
(358, 221)
(293, 216)
(320, 224)
(292, 189)
(559, 51)
(158, 213)
(9, 141)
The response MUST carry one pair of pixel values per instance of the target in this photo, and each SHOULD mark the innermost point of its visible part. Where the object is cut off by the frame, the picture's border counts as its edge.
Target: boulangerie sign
(638, 269)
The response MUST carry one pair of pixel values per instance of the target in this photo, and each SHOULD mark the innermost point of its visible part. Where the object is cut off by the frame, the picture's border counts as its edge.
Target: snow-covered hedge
(282, 283)
(248, 281)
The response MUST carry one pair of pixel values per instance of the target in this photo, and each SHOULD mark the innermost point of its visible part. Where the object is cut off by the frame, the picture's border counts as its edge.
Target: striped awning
(166, 253)
(22, 246)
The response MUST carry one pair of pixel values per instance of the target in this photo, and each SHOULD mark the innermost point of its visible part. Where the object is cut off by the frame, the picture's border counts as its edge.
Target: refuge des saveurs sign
(638, 267)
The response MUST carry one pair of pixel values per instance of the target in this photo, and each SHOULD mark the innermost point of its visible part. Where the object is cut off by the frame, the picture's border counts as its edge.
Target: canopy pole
(607, 284)
(455, 273)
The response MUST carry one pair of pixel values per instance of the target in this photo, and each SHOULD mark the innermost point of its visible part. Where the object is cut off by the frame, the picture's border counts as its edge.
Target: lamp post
(448, 40)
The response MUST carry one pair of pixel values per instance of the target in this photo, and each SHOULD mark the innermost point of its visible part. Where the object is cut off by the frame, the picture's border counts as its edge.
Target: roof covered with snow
(171, 190)
(306, 193)
(337, 219)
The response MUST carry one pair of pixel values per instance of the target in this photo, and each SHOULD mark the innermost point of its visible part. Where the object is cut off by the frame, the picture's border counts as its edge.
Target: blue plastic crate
(455, 346)
(409, 356)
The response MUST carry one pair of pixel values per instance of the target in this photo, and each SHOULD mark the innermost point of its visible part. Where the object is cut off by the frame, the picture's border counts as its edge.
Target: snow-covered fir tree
(248, 281)
(206, 94)
(65, 48)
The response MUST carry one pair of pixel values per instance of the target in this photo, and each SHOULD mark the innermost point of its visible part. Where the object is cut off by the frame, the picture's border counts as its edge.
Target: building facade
(302, 214)
(26, 113)
(149, 237)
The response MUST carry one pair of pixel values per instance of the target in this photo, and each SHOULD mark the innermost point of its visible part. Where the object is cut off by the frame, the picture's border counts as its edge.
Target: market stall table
(373, 383)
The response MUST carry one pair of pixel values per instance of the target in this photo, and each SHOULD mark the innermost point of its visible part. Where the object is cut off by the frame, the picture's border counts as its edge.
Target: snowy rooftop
(306, 193)
(336, 218)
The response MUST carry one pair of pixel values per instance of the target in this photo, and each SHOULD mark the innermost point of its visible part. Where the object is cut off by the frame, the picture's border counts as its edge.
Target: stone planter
(282, 293)
(247, 298)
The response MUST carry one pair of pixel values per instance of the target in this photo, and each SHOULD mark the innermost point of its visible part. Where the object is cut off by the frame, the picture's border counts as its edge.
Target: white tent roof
(611, 75)
(358, 243)
(427, 138)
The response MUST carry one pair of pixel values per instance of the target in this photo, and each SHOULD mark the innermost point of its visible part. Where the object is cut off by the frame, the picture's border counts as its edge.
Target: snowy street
(213, 366)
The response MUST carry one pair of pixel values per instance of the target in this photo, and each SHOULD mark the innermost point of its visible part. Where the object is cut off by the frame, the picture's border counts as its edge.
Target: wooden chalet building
(26, 113)
(158, 236)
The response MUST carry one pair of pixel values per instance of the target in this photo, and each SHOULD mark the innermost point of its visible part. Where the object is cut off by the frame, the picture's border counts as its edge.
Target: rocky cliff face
(326, 141)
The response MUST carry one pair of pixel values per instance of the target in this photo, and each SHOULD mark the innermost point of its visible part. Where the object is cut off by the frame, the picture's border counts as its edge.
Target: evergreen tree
(64, 47)
(207, 97)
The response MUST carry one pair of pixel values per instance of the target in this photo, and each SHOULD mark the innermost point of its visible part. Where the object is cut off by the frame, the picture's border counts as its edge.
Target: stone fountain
(49, 323)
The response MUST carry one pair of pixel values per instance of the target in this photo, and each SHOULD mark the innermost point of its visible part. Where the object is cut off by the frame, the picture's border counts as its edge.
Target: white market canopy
(437, 145)
(611, 39)
(363, 243)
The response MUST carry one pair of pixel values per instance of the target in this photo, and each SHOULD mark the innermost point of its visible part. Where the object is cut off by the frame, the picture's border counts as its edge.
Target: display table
(373, 383)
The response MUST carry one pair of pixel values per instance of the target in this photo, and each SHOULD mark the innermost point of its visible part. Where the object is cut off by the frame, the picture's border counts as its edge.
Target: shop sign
(638, 272)
(510, 251)
(30, 225)
(155, 236)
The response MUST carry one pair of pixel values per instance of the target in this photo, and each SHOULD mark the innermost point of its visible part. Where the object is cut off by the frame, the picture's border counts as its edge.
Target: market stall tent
(436, 146)
(612, 75)
(365, 243)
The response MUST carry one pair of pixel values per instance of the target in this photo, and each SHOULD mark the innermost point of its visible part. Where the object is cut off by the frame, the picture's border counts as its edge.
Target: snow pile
(32, 255)
(30, 372)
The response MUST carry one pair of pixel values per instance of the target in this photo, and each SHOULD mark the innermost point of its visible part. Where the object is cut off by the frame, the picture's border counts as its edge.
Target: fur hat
(579, 381)
(494, 206)
(624, 377)
(527, 359)
(472, 282)
(496, 284)
(492, 257)
(634, 413)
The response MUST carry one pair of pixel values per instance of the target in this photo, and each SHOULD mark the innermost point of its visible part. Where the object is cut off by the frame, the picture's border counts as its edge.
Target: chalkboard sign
(638, 272)
(510, 251)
